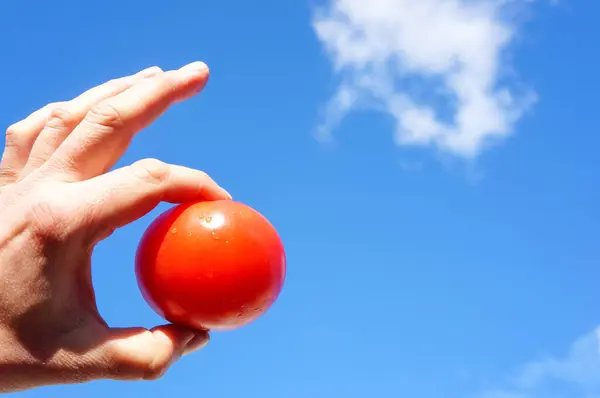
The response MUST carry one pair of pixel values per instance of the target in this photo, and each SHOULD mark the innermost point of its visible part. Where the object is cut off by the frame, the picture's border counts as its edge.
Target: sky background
(432, 168)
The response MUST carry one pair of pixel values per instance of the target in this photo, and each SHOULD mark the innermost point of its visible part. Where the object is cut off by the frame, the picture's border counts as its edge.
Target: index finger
(115, 199)
(105, 133)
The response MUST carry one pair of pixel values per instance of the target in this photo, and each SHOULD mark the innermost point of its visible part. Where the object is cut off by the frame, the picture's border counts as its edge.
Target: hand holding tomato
(58, 199)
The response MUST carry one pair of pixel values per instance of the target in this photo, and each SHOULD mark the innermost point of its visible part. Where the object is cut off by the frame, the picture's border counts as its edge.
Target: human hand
(57, 201)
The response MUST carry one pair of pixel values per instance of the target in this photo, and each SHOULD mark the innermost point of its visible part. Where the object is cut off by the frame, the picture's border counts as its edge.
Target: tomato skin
(215, 265)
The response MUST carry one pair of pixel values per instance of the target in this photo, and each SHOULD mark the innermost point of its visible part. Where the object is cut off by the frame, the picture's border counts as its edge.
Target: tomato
(214, 265)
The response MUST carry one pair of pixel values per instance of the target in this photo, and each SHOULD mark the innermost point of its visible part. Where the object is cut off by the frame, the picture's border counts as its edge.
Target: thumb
(142, 354)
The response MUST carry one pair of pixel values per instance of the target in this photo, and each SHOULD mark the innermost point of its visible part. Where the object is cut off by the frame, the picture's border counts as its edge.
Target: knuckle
(137, 369)
(205, 179)
(116, 85)
(143, 364)
(54, 105)
(61, 118)
(154, 371)
(18, 134)
(46, 216)
(152, 170)
(164, 82)
(105, 116)
(14, 134)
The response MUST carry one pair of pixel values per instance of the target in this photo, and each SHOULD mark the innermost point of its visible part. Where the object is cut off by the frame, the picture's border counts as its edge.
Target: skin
(58, 199)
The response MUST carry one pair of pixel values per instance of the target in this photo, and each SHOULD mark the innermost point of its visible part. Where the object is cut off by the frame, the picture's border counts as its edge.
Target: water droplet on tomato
(214, 221)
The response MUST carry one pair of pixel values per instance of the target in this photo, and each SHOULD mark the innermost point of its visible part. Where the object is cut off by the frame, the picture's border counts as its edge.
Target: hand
(57, 201)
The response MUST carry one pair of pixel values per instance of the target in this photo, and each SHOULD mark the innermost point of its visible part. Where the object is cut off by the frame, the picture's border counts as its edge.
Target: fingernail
(153, 70)
(198, 342)
(197, 66)
(227, 193)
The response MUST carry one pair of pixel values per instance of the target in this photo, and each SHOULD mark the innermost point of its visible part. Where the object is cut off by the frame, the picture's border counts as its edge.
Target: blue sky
(440, 217)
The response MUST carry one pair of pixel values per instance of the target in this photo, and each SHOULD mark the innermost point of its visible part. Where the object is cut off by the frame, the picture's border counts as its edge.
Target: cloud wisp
(574, 375)
(437, 67)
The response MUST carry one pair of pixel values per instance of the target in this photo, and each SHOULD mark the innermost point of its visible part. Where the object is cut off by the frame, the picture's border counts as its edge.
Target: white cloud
(436, 66)
(576, 375)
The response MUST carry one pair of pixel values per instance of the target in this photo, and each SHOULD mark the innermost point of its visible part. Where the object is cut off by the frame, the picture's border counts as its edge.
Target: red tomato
(211, 265)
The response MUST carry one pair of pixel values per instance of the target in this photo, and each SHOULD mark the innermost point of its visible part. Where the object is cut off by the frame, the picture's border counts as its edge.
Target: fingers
(106, 131)
(140, 354)
(63, 119)
(20, 138)
(117, 198)
(30, 142)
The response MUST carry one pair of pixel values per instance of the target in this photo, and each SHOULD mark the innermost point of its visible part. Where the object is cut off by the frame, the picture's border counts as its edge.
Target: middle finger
(63, 120)
(102, 137)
